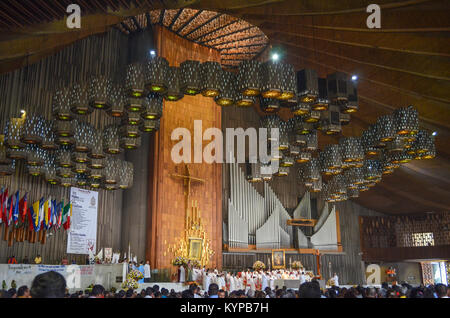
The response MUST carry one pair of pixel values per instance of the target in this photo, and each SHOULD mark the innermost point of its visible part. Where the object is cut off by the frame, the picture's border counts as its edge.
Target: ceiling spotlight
(275, 57)
(354, 77)
(152, 52)
(434, 133)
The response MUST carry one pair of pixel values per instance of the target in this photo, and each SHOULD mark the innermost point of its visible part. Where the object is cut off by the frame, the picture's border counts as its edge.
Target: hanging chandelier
(111, 170)
(242, 100)
(282, 171)
(288, 82)
(13, 133)
(190, 77)
(337, 88)
(369, 142)
(117, 108)
(79, 99)
(50, 169)
(406, 121)
(149, 125)
(81, 179)
(373, 170)
(249, 79)
(99, 92)
(308, 85)
(33, 129)
(63, 157)
(61, 104)
(321, 102)
(227, 90)
(253, 172)
(84, 136)
(211, 75)
(49, 137)
(385, 129)
(126, 175)
(271, 74)
(351, 149)
(111, 140)
(130, 143)
(173, 92)
(351, 106)
(156, 73)
(153, 107)
(35, 155)
(135, 80)
(301, 109)
(331, 160)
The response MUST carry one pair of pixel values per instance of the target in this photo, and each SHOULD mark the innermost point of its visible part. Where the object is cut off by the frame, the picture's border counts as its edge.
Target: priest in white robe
(182, 278)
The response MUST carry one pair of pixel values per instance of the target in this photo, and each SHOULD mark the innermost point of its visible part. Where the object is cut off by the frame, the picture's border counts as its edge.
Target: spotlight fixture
(354, 77)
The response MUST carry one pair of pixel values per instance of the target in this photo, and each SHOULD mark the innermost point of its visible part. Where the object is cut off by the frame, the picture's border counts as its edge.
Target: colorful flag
(46, 206)
(67, 214)
(31, 219)
(15, 215)
(23, 208)
(5, 207)
(1, 205)
(41, 214)
(10, 210)
(35, 214)
(59, 211)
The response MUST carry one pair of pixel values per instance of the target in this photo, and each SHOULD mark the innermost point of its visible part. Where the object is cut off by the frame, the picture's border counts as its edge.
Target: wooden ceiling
(406, 62)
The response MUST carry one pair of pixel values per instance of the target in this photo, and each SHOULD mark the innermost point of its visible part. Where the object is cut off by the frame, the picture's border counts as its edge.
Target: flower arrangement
(195, 263)
(258, 265)
(179, 261)
(130, 283)
(331, 282)
(297, 265)
(135, 274)
(132, 279)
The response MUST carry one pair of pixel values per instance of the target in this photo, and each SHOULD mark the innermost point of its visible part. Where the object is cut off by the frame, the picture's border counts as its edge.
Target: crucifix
(187, 178)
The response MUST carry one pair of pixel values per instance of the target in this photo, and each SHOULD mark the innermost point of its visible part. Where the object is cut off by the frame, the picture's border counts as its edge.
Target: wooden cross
(187, 178)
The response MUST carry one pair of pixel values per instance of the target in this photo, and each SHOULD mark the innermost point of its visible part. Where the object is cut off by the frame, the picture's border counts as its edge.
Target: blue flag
(15, 215)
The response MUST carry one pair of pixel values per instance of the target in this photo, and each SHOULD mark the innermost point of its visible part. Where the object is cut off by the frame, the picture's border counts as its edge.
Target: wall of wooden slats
(30, 88)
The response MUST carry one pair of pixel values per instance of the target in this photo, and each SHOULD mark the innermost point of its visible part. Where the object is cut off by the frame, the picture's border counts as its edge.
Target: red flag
(5, 207)
(23, 208)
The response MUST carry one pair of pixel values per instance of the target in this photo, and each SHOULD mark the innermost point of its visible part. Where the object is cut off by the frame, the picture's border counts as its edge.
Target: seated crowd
(53, 285)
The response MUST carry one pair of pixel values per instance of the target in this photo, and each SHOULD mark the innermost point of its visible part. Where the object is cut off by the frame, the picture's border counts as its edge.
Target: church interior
(226, 135)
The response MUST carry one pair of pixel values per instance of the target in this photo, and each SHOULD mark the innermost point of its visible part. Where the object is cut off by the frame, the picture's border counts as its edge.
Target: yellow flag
(46, 211)
(36, 212)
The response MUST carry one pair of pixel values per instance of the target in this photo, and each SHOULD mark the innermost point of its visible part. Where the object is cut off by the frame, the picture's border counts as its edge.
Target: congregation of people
(53, 285)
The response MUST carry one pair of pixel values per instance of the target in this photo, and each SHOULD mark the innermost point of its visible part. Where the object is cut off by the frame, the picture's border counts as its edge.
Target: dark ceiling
(406, 62)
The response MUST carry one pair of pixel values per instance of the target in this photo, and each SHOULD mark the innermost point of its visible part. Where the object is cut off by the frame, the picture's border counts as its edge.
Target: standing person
(336, 280)
(25, 260)
(64, 261)
(147, 272)
(189, 269)
(38, 259)
(142, 270)
(182, 277)
(12, 260)
(124, 269)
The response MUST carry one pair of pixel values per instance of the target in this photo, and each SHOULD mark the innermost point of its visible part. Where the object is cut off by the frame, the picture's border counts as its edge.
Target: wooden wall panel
(167, 213)
(30, 88)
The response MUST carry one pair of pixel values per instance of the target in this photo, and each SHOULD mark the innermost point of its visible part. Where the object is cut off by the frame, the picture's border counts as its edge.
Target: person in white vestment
(272, 281)
(264, 281)
(302, 278)
(221, 282)
(208, 281)
(232, 284)
(124, 270)
(204, 278)
(336, 280)
(147, 272)
(182, 274)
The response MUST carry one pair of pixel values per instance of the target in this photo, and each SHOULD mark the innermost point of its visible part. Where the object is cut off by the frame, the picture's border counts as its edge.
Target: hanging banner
(82, 234)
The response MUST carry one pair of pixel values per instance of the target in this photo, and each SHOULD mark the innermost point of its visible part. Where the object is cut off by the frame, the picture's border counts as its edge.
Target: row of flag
(44, 214)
